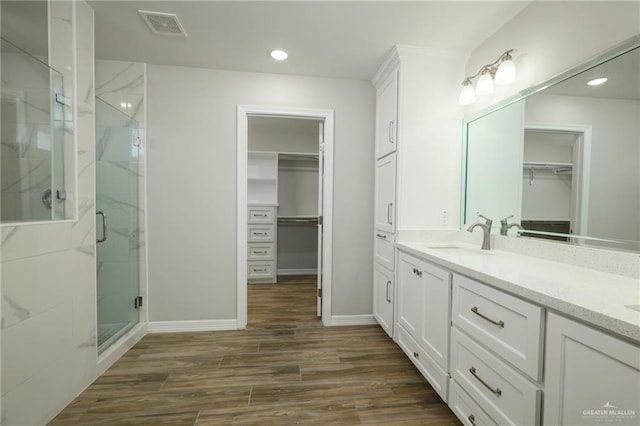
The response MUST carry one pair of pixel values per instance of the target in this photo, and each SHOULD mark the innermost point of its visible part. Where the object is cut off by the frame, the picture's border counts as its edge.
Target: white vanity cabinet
(383, 297)
(385, 194)
(387, 115)
(414, 143)
(423, 318)
(496, 352)
(590, 376)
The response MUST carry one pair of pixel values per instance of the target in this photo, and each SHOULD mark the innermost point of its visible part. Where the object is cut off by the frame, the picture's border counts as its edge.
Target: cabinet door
(435, 304)
(387, 116)
(383, 298)
(385, 194)
(590, 376)
(409, 294)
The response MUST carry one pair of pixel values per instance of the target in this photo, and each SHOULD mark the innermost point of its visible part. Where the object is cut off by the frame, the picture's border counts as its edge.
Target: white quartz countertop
(598, 298)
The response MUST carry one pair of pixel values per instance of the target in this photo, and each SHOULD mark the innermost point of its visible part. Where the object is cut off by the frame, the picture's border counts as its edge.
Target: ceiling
(623, 83)
(337, 39)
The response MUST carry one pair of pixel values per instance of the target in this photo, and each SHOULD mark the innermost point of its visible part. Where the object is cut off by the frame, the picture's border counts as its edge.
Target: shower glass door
(117, 223)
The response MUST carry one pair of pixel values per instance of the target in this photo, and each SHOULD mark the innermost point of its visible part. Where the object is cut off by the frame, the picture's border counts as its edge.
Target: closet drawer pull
(260, 233)
(472, 419)
(384, 237)
(497, 323)
(260, 270)
(496, 391)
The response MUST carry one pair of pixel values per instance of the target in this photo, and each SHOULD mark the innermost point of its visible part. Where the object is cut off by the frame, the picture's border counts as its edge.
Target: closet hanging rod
(298, 157)
(284, 219)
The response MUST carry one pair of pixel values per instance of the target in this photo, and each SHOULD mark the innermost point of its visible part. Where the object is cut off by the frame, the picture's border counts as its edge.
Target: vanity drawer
(436, 377)
(502, 392)
(509, 326)
(260, 270)
(260, 251)
(260, 233)
(383, 246)
(261, 215)
(469, 413)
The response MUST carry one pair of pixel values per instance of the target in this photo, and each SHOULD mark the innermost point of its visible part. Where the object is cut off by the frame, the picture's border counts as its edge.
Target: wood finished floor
(284, 369)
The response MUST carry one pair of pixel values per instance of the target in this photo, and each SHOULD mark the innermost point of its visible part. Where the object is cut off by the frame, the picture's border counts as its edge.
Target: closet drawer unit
(469, 413)
(506, 395)
(436, 377)
(261, 215)
(509, 326)
(383, 245)
(260, 270)
(260, 233)
(260, 251)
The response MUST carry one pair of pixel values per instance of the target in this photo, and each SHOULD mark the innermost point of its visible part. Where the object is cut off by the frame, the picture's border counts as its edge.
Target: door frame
(243, 114)
(582, 152)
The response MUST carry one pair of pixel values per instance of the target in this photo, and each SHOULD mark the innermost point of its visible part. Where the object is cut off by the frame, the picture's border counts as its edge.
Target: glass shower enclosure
(32, 185)
(117, 223)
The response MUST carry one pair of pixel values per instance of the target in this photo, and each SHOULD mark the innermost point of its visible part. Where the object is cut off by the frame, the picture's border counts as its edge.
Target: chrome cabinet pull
(260, 270)
(391, 138)
(384, 237)
(387, 291)
(496, 391)
(472, 419)
(389, 206)
(497, 323)
(104, 227)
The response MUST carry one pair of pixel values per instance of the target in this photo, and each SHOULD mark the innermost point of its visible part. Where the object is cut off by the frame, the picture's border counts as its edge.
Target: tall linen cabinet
(418, 143)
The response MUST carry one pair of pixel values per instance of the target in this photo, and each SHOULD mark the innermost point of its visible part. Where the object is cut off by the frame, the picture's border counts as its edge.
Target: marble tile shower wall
(26, 148)
(122, 85)
(48, 270)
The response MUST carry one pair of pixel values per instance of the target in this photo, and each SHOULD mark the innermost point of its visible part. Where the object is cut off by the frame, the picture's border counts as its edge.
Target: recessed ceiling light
(279, 54)
(597, 81)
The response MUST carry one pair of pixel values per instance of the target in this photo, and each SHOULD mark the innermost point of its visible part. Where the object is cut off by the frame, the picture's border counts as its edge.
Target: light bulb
(467, 94)
(597, 81)
(485, 84)
(279, 54)
(506, 73)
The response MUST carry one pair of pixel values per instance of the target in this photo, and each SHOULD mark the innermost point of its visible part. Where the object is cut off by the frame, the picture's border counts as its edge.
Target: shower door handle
(104, 227)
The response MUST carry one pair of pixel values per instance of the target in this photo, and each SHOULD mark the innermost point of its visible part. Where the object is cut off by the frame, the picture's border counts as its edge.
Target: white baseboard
(367, 319)
(298, 271)
(198, 325)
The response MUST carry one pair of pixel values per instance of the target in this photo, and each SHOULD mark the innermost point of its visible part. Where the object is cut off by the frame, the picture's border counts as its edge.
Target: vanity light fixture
(597, 81)
(501, 72)
(279, 54)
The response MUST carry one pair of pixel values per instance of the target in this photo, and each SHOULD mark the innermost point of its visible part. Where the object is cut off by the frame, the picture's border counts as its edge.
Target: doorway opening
(556, 164)
(285, 170)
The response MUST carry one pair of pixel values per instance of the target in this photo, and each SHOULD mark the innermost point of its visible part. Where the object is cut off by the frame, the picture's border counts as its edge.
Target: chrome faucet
(486, 231)
(505, 225)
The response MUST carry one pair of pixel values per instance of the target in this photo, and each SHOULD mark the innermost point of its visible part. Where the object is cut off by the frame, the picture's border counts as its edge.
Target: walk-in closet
(284, 177)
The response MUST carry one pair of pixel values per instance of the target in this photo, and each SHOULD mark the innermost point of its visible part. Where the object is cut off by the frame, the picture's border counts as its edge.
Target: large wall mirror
(563, 158)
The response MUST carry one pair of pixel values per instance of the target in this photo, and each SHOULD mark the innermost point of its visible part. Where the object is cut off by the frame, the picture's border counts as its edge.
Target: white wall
(614, 195)
(551, 37)
(48, 270)
(282, 134)
(192, 195)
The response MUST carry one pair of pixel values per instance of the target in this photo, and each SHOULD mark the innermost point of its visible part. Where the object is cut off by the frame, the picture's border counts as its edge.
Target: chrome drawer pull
(498, 323)
(496, 391)
(472, 419)
(260, 270)
(384, 237)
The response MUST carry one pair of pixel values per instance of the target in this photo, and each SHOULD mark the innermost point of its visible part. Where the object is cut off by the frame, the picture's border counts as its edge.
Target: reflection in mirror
(564, 161)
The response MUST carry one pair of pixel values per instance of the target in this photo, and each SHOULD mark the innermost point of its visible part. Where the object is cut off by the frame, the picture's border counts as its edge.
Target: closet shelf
(261, 180)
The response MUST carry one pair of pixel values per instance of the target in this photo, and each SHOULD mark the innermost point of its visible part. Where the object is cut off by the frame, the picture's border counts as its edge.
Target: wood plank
(284, 369)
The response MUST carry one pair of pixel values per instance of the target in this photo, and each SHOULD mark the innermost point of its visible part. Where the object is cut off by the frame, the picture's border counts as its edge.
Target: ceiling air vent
(163, 23)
